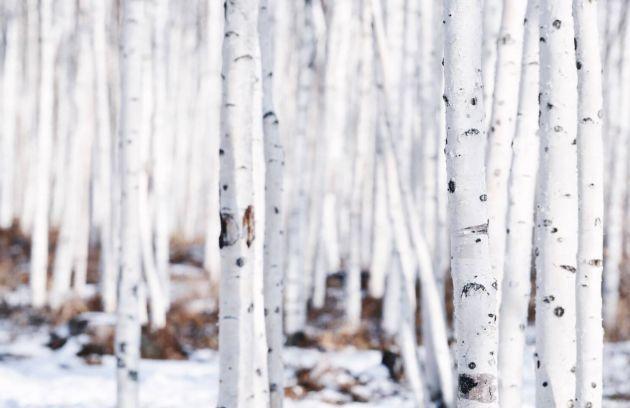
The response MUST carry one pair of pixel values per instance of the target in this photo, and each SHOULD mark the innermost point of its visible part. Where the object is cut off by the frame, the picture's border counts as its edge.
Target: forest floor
(64, 359)
(34, 375)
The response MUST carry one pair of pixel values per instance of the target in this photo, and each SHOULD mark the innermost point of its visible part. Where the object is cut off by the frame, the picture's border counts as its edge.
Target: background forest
(311, 203)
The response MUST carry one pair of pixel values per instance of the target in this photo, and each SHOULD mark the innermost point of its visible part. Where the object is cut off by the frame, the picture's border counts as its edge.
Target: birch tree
(474, 285)
(618, 135)
(214, 41)
(492, 12)
(238, 309)
(274, 232)
(9, 105)
(502, 125)
(39, 250)
(520, 221)
(127, 345)
(556, 222)
(590, 150)
(105, 149)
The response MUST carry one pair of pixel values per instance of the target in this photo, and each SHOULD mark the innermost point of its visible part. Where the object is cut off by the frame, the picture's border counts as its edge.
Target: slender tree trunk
(300, 256)
(10, 72)
(522, 194)
(492, 11)
(162, 142)
(590, 334)
(105, 156)
(274, 231)
(214, 41)
(556, 219)
(39, 250)
(502, 126)
(618, 136)
(128, 325)
(474, 285)
(239, 363)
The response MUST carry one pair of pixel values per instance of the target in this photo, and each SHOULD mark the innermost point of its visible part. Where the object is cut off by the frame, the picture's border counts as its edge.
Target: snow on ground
(33, 376)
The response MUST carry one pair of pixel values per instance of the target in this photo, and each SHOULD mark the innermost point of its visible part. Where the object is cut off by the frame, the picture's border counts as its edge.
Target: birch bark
(618, 135)
(590, 150)
(274, 228)
(502, 125)
(239, 363)
(9, 103)
(556, 219)
(127, 346)
(520, 221)
(474, 285)
(39, 250)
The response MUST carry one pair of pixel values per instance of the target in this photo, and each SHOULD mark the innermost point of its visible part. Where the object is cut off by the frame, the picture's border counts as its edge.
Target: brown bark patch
(249, 225)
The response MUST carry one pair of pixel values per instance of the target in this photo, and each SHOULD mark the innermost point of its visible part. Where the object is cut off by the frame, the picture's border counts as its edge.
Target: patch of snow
(33, 376)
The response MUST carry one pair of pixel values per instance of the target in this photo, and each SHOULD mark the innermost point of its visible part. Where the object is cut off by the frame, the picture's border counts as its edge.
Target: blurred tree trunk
(274, 210)
(590, 334)
(127, 345)
(39, 249)
(9, 105)
(502, 126)
(520, 221)
(492, 11)
(618, 135)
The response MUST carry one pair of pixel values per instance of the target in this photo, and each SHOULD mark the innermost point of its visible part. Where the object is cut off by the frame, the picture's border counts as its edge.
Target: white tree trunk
(556, 218)
(130, 122)
(589, 331)
(239, 308)
(502, 126)
(491, 28)
(39, 249)
(10, 72)
(382, 245)
(162, 141)
(474, 285)
(300, 257)
(274, 231)
(522, 194)
(105, 156)
(72, 246)
(619, 134)
(214, 40)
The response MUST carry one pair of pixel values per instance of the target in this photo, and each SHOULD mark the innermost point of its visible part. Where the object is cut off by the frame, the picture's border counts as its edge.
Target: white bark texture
(590, 151)
(127, 345)
(300, 257)
(240, 365)
(491, 28)
(162, 142)
(274, 228)
(618, 136)
(105, 148)
(211, 259)
(520, 222)
(556, 217)
(39, 250)
(474, 285)
(502, 126)
(9, 105)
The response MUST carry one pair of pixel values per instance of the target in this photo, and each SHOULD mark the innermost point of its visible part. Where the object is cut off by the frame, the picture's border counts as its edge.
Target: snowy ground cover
(34, 376)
